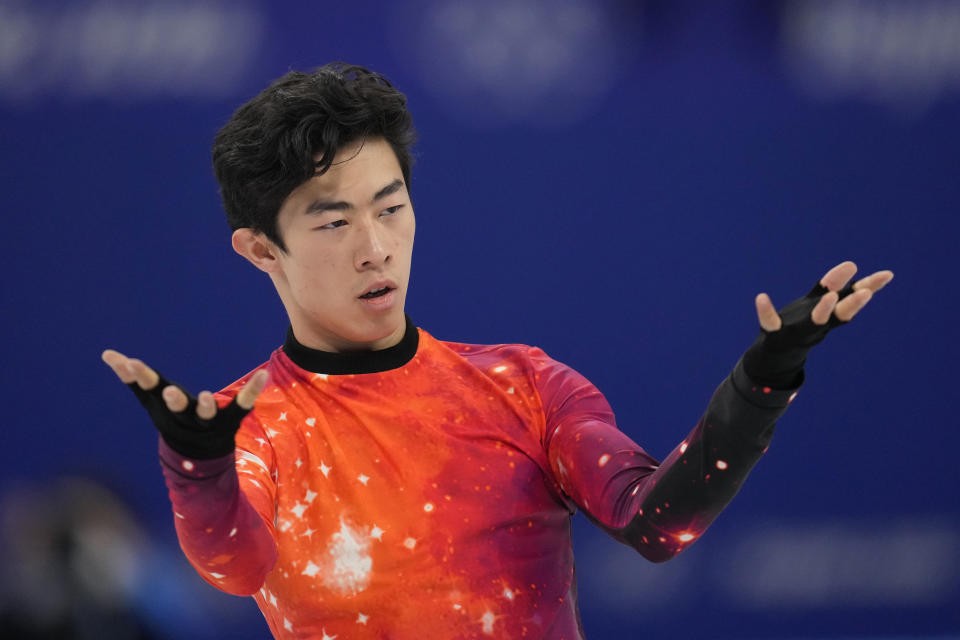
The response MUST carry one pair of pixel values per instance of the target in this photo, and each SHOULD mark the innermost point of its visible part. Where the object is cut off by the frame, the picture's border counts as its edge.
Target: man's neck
(357, 361)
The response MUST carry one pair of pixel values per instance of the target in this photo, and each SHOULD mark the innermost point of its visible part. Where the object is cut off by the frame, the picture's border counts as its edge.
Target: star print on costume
(487, 620)
(347, 571)
(441, 489)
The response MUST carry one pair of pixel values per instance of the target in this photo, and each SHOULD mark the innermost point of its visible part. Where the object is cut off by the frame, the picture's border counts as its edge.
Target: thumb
(767, 314)
(256, 383)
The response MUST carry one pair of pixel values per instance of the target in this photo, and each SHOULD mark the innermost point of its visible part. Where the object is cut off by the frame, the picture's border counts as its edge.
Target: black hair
(268, 147)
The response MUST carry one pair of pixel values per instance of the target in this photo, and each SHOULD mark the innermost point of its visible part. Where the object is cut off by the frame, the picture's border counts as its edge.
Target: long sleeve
(657, 508)
(230, 544)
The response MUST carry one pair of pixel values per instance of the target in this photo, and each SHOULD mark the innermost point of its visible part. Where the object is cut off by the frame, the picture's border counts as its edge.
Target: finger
(767, 314)
(849, 306)
(821, 312)
(118, 362)
(252, 389)
(145, 377)
(206, 405)
(175, 398)
(874, 282)
(836, 278)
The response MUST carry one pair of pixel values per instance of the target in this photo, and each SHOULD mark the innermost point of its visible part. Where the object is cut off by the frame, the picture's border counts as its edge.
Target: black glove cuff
(184, 431)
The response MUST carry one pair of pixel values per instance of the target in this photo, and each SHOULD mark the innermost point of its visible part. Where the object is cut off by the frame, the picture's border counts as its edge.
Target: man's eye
(334, 224)
(391, 210)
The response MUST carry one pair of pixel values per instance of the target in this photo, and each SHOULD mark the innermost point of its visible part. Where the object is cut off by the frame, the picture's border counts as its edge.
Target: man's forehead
(344, 154)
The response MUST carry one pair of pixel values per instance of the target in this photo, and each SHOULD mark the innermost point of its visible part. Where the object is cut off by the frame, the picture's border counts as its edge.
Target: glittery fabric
(433, 500)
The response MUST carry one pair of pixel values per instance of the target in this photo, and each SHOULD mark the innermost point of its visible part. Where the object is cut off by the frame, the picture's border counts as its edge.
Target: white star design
(311, 569)
(377, 533)
(363, 479)
(324, 469)
(322, 376)
(273, 599)
(488, 619)
(283, 416)
(262, 442)
(311, 421)
(326, 637)
(362, 619)
(287, 625)
(299, 463)
(273, 433)
(309, 533)
(310, 496)
(298, 510)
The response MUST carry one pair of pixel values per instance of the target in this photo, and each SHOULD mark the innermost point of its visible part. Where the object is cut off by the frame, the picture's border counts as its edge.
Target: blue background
(621, 214)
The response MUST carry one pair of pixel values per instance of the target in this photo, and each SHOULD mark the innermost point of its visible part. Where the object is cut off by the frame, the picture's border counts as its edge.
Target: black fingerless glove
(776, 359)
(184, 431)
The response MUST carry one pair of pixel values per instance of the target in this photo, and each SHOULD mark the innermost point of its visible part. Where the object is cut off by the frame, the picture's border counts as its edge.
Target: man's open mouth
(376, 293)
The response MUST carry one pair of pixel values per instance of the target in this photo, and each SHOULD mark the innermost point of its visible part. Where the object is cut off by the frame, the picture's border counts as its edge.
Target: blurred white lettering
(901, 53)
(125, 51)
(841, 564)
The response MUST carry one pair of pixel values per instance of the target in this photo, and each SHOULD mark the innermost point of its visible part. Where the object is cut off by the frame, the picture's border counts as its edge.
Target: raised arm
(227, 541)
(661, 508)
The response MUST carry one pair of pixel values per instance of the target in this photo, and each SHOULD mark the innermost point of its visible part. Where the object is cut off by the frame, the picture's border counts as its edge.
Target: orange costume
(426, 491)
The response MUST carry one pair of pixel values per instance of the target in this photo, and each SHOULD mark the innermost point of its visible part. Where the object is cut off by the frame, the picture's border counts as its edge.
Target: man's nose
(372, 250)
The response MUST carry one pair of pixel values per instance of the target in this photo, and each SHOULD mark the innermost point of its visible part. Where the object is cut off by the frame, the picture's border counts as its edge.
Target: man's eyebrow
(388, 190)
(319, 206)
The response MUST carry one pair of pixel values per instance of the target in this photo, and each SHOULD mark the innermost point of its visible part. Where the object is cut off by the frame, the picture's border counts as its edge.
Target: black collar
(354, 361)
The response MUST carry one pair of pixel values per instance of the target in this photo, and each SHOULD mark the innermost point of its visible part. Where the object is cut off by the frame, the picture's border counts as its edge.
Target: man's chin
(380, 332)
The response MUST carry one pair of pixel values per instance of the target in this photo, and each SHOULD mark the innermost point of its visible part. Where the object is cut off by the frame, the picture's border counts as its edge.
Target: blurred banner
(612, 181)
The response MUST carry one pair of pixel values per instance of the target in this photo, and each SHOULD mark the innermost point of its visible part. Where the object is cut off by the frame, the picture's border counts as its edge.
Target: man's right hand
(193, 427)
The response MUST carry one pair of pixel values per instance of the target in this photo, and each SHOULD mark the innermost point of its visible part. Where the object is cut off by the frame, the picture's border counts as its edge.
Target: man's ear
(257, 248)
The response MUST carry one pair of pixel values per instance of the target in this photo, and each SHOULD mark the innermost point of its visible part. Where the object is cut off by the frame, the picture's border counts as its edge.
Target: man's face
(349, 235)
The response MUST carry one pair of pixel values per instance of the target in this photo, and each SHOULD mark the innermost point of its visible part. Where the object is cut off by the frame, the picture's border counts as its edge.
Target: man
(370, 481)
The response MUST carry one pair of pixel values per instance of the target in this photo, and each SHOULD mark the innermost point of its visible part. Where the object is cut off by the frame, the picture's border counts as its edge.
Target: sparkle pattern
(452, 507)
